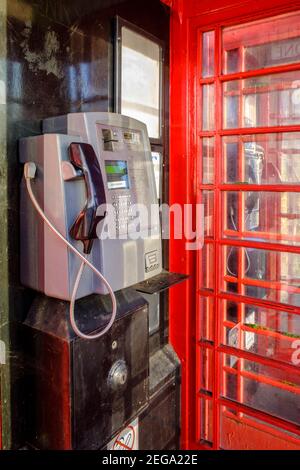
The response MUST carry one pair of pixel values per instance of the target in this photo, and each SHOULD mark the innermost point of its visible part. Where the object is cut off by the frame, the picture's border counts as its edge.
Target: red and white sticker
(127, 439)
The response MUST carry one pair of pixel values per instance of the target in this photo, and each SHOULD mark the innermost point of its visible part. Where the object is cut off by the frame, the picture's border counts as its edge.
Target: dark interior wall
(59, 59)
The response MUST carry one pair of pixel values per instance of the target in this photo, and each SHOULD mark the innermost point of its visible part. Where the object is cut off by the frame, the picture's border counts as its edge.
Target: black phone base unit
(107, 393)
(86, 196)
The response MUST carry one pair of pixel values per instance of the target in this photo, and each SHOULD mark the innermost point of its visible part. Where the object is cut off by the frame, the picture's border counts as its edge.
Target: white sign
(233, 341)
(127, 439)
(250, 337)
(117, 184)
(285, 50)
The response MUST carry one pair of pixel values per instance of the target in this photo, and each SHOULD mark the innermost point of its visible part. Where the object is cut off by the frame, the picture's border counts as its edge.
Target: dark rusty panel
(47, 390)
(159, 427)
(164, 367)
(98, 410)
(69, 403)
(91, 313)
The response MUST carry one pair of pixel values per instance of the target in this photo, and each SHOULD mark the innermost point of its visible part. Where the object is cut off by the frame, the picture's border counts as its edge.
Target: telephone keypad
(121, 204)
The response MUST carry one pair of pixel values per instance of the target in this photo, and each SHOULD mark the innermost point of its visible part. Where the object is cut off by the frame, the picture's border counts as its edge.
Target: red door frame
(186, 18)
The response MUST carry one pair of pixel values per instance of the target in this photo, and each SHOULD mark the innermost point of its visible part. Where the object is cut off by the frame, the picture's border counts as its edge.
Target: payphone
(84, 165)
(254, 165)
(88, 176)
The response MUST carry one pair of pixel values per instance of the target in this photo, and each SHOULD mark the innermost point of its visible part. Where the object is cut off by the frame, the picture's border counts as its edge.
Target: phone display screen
(117, 174)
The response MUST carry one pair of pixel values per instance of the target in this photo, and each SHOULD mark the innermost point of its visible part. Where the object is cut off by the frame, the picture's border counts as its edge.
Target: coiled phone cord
(29, 174)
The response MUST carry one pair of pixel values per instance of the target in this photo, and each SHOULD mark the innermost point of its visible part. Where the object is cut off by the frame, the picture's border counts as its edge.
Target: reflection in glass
(208, 202)
(207, 319)
(264, 274)
(268, 389)
(206, 369)
(206, 268)
(265, 43)
(208, 163)
(206, 414)
(261, 330)
(262, 159)
(270, 100)
(208, 107)
(156, 159)
(208, 54)
(262, 216)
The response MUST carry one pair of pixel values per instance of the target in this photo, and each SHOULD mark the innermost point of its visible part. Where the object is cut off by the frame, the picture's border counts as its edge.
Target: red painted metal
(257, 435)
(185, 187)
(181, 191)
(272, 420)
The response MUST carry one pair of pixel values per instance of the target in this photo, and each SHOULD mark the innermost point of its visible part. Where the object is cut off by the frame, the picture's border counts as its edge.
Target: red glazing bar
(269, 419)
(276, 432)
(258, 302)
(254, 423)
(258, 234)
(206, 345)
(263, 331)
(256, 91)
(274, 285)
(262, 379)
(206, 81)
(268, 246)
(268, 333)
(260, 72)
(260, 130)
(270, 362)
(205, 395)
(199, 262)
(218, 229)
(279, 188)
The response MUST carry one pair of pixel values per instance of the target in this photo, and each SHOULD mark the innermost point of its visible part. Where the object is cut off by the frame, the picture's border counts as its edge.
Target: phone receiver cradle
(86, 164)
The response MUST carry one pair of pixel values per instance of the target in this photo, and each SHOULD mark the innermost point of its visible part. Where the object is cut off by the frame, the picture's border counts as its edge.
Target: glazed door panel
(247, 118)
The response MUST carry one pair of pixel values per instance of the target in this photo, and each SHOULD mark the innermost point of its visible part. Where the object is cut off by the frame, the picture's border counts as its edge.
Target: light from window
(140, 89)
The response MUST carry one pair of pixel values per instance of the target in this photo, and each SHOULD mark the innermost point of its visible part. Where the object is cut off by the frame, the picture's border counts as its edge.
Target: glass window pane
(262, 159)
(140, 71)
(265, 43)
(206, 420)
(268, 389)
(207, 199)
(157, 164)
(206, 271)
(208, 107)
(270, 100)
(208, 54)
(208, 162)
(206, 369)
(267, 216)
(260, 330)
(265, 274)
(206, 319)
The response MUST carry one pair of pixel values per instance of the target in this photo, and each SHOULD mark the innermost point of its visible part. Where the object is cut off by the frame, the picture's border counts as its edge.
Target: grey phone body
(123, 150)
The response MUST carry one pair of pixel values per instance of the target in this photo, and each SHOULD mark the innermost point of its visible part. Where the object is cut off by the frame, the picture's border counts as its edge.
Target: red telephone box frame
(187, 18)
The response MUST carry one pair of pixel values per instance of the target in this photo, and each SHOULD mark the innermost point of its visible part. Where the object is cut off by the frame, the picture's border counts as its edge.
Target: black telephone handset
(84, 159)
